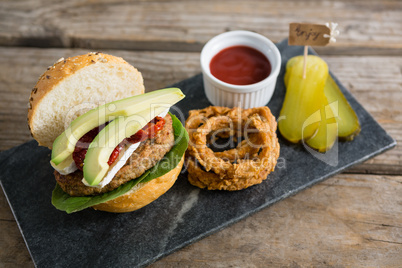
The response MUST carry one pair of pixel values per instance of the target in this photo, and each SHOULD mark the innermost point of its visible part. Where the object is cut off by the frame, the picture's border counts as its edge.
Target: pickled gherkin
(300, 117)
(327, 132)
(348, 123)
(306, 114)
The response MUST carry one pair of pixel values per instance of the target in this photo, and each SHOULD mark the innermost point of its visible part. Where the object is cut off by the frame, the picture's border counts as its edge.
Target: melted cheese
(66, 167)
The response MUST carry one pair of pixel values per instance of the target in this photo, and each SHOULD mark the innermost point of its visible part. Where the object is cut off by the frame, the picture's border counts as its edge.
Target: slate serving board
(184, 214)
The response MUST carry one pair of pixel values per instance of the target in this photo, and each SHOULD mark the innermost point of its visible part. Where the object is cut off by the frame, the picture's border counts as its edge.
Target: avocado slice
(64, 144)
(99, 151)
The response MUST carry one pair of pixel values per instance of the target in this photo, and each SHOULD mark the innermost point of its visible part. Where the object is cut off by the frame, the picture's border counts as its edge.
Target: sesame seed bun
(75, 85)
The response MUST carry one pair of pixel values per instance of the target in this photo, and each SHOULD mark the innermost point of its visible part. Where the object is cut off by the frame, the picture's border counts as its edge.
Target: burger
(114, 147)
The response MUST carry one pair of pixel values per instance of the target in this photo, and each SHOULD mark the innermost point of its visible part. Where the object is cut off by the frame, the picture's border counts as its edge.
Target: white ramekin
(220, 93)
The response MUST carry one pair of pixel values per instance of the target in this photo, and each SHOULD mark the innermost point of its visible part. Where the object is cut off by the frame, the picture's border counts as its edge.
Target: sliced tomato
(147, 132)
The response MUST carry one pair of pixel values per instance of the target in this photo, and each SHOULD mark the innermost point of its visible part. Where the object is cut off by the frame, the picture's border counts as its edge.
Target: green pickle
(348, 123)
(314, 109)
(306, 114)
(327, 132)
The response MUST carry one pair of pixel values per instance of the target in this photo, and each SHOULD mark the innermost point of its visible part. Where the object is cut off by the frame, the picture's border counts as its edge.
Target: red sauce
(240, 65)
(149, 131)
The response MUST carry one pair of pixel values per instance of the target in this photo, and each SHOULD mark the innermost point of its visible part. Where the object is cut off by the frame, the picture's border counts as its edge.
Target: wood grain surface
(187, 25)
(350, 220)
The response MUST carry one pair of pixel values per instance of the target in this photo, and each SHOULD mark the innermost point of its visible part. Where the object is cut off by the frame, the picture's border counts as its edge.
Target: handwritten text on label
(304, 34)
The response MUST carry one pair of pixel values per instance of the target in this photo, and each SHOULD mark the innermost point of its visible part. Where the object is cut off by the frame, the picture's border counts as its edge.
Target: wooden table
(352, 219)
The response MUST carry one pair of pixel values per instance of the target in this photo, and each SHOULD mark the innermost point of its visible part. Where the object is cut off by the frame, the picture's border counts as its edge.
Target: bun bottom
(143, 193)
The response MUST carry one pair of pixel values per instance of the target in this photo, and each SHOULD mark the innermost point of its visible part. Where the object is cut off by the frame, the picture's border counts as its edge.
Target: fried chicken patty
(145, 157)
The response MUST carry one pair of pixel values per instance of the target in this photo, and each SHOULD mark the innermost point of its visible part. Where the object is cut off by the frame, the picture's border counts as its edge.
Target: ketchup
(240, 65)
(149, 131)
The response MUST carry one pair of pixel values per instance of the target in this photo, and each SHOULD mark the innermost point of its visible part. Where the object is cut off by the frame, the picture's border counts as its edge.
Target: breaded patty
(145, 157)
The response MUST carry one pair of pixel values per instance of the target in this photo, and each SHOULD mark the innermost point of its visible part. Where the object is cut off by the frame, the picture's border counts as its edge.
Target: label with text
(305, 34)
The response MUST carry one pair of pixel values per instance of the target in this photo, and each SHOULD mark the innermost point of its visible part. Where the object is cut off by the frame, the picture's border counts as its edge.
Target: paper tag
(305, 34)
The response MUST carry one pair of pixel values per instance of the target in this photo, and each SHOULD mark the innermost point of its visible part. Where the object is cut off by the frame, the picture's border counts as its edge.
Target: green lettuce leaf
(63, 201)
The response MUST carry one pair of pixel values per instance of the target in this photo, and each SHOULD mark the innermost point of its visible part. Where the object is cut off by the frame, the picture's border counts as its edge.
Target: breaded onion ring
(235, 169)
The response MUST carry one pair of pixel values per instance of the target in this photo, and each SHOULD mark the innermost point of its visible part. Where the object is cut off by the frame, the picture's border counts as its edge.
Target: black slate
(184, 214)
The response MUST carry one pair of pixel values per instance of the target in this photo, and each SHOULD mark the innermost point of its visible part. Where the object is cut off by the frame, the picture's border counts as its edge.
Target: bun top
(75, 85)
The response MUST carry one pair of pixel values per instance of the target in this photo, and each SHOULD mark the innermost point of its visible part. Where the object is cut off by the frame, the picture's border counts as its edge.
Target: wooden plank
(348, 220)
(374, 81)
(366, 26)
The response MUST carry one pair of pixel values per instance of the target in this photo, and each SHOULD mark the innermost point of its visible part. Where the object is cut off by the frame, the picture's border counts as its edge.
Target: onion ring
(235, 169)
